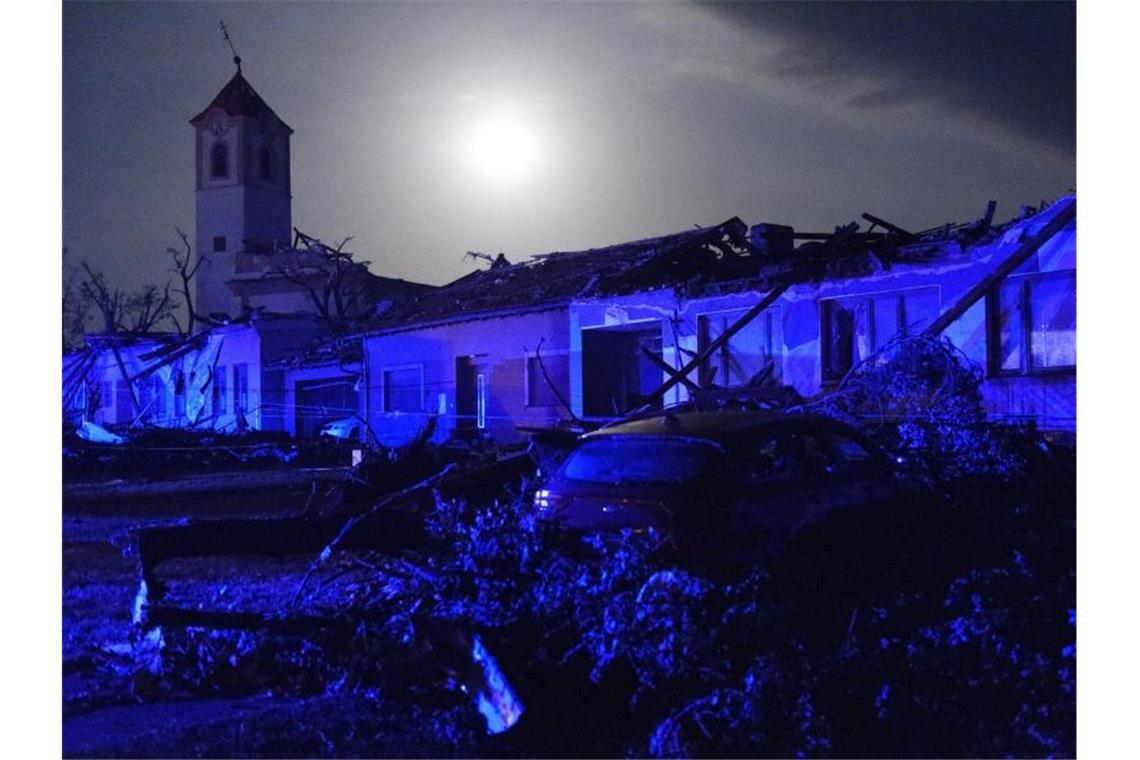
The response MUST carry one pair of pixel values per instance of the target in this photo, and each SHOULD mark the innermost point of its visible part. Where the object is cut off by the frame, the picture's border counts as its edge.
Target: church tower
(242, 194)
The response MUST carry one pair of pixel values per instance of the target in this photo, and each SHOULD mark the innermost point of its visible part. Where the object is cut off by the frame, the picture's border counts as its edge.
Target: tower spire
(226, 34)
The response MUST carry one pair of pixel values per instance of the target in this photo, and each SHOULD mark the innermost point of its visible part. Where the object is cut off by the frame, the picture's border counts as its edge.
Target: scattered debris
(89, 431)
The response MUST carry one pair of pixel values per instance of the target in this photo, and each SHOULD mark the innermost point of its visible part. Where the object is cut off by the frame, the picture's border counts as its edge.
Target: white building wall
(499, 345)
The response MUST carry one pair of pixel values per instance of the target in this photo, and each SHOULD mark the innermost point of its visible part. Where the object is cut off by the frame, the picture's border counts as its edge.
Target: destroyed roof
(720, 252)
(713, 260)
(342, 351)
(238, 98)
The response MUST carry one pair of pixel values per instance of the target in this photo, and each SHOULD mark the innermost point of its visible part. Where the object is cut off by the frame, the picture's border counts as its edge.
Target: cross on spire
(226, 34)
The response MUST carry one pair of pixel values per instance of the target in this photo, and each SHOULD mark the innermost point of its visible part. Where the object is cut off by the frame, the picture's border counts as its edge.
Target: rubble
(89, 431)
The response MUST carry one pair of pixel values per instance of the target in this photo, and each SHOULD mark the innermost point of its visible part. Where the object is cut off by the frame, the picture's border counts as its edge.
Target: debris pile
(508, 637)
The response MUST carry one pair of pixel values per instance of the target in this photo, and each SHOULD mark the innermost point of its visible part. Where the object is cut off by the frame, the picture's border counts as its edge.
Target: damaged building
(594, 335)
(296, 334)
(263, 295)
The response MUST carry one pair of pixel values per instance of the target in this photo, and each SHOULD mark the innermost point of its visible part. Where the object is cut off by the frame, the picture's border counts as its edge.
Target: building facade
(530, 363)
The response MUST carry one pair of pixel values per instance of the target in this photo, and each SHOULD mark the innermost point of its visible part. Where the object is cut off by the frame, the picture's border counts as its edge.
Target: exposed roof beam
(1012, 262)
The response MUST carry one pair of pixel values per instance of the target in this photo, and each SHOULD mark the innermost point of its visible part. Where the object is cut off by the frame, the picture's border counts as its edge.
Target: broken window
(1033, 323)
(403, 390)
(218, 390)
(856, 327)
(538, 390)
(241, 388)
(219, 161)
(747, 353)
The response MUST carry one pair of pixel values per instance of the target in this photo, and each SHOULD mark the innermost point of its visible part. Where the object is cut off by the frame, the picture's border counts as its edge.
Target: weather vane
(226, 34)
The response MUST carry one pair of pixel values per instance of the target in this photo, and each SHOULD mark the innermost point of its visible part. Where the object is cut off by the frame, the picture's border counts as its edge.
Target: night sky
(428, 130)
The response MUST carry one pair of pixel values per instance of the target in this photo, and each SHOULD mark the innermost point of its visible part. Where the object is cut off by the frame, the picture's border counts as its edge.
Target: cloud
(1008, 65)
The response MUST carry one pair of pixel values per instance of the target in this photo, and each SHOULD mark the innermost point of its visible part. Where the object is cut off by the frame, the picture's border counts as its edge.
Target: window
(266, 163)
(856, 327)
(158, 392)
(219, 161)
(179, 396)
(752, 350)
(219, 244)
(643, 460)
(144, 389)
(241, 388)
(538, 390)
(124, 402)
(218, 390)
(765, 457)
(1033, 323)
(403, 390)
(100, 402)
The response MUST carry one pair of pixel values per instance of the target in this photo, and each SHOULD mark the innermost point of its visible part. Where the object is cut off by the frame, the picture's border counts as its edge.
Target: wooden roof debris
(725, 258)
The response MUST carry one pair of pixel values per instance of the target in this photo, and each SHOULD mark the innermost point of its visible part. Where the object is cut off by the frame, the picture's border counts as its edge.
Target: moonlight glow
(502, 149)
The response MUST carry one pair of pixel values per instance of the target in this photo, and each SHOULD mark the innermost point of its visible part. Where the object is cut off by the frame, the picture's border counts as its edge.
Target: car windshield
(618, 460)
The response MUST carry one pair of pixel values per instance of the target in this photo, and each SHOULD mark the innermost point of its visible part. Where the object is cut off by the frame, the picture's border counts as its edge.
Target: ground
(950, 634)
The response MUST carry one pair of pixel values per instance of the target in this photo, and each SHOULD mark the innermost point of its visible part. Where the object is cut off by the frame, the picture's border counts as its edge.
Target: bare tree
(76, 308)
(186, 266)
(125, 312)
(335, 282)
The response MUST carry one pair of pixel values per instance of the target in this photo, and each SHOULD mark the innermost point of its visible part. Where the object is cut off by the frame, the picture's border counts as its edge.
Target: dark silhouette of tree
(75, 308)
(335, 282)
(132, 313)
(186, 267)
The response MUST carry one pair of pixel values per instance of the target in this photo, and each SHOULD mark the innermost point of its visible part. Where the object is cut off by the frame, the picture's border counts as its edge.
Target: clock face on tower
(219, 127)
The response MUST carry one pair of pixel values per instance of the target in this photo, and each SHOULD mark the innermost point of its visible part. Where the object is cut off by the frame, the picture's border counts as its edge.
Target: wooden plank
(670, 371)
(723, 338)
(1012, 262)
(888, 226)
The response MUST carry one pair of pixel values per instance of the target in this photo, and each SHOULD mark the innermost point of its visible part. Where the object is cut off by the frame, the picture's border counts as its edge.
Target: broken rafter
(874, 220)
(1012, 262)
(723, 338)
(670, 371)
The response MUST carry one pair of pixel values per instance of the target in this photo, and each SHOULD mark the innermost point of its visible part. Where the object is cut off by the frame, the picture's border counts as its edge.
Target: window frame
(241, 387)
(1024, 327)
(219, 400)
(867, 301)
(720, 360)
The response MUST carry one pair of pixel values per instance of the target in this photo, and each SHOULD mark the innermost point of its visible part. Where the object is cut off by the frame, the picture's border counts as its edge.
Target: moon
(503, 149)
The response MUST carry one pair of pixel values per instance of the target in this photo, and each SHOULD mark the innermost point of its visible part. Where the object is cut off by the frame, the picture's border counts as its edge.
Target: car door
(766, 478)
(862, 474)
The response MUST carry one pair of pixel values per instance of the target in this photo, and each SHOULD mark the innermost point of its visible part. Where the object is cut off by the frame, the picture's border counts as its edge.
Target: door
(472, 389)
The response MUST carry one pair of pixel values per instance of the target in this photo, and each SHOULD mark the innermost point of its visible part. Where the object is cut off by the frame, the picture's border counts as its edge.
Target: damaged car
(740, 485)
